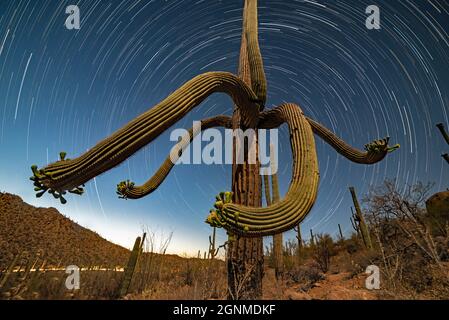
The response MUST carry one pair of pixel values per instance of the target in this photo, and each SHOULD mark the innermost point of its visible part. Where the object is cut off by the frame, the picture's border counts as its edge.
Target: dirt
(338, 286)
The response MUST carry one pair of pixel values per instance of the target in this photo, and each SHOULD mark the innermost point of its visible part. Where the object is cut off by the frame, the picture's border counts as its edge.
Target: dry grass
(414, 262)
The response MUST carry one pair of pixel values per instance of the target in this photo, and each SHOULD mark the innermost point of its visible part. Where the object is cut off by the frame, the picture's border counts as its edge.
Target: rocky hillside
(28, 230)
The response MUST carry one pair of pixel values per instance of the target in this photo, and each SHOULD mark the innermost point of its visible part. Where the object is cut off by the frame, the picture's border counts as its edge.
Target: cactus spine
(360, 220)
(131, 266)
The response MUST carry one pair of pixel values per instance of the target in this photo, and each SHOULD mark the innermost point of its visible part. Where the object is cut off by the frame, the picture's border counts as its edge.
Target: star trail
(65, 90)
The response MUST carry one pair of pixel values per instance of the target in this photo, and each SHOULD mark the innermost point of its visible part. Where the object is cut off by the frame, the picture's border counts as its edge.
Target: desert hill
(27, 230)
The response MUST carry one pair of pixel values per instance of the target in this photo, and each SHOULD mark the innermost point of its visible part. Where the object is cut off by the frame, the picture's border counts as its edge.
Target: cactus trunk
(340, 232)
(212, 250)
(131, 266)
(312, 238)
(360, 219)
(299, 238)
(245, 255)
(277, 238)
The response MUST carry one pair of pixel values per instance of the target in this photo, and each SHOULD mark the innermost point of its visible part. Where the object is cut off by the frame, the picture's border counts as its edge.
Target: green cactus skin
(312, 238)
(361, 220)
(375, 151)
(258, 79)
(69, 174)
(354, 223)
(283, 215)
(213, 251)
(131, 266)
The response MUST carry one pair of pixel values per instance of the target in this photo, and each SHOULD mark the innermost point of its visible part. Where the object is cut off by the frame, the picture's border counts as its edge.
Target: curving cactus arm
(68, 174)
(375, 151)
(283, 215)
(258, 78)
(128, 190)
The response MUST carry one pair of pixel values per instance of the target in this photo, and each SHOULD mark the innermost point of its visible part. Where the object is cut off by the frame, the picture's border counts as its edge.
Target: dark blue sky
(64, 90)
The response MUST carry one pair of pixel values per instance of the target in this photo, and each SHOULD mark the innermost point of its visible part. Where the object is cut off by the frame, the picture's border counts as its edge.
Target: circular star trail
(65, 90)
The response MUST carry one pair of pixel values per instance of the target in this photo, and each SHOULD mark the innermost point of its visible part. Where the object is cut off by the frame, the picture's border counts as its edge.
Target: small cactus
(360, 220)
(340, 232)
(312, 238)
(131, 266)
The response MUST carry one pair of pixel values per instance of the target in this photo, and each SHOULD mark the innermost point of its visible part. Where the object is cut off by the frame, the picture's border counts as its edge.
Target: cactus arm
(445, 135)
(130, 267)
(68, 174)
(285, 214)
(361, 220)
(375, 151)
(127, 189)
(258, 78)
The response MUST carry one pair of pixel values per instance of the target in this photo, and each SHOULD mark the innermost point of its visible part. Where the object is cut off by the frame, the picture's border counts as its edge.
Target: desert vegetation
(408, 245)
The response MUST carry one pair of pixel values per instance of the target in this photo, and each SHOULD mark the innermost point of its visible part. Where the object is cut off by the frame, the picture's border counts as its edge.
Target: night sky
(65, 90)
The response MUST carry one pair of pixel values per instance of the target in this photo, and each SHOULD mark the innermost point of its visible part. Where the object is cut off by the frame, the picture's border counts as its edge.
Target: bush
(323, 250)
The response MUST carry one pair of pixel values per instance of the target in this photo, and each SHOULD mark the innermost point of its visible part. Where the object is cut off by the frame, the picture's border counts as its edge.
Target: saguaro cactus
(438, 204)
(131, 266)
(212, 250)
(340, 233)
(244, 217)
(445, 135)
(354, 223)
(312, 238)
(300, 243)
(360, 220)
